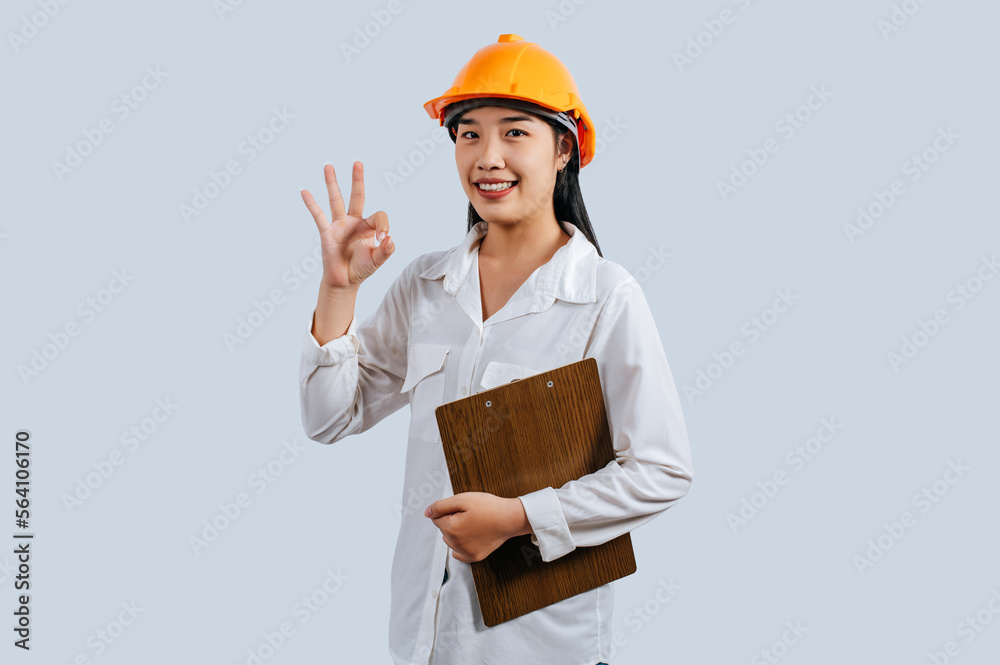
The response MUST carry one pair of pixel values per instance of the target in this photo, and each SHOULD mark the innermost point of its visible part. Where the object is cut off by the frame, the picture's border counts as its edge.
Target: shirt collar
(570, 275)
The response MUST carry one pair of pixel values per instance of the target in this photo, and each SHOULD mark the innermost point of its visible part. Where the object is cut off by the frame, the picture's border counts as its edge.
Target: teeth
(495, 188)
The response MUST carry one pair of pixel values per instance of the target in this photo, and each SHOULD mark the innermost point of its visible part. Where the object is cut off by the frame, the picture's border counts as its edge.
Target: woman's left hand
(474, 524)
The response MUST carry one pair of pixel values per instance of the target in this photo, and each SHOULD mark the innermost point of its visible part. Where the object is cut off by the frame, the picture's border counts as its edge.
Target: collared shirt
(427, 344)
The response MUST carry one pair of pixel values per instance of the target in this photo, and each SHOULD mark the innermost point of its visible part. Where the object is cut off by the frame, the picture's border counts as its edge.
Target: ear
(566, 146)
(564, 151)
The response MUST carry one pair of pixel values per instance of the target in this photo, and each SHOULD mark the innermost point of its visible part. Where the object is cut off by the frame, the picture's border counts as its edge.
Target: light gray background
(654, 186)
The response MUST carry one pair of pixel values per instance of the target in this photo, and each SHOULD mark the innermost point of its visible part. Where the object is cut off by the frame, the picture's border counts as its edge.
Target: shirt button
(434, 593)
(463, 391)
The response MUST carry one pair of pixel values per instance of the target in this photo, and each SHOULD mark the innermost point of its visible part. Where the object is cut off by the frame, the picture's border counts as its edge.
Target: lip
(496, 195)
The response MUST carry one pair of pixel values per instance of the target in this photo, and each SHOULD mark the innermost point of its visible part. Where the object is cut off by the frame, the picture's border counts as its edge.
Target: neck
(522, 242)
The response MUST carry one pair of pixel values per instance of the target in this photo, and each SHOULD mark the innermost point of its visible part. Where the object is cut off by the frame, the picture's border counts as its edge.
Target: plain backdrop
(154, 250)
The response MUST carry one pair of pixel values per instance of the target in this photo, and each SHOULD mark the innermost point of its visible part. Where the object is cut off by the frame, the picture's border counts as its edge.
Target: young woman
(525, 292)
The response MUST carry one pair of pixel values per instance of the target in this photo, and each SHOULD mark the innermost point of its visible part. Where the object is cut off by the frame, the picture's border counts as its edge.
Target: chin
(491, 217)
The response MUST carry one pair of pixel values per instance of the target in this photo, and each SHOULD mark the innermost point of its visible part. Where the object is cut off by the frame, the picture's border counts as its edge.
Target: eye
(519, 131)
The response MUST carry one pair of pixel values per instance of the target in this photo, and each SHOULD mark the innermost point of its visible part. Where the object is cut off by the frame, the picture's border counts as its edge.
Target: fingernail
(381, 235)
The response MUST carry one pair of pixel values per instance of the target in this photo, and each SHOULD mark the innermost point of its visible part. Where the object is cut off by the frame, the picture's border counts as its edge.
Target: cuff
(550, 532)
(335, 351)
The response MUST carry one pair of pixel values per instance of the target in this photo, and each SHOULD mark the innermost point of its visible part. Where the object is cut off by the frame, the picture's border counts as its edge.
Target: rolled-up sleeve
(653, 467)
(352, 382)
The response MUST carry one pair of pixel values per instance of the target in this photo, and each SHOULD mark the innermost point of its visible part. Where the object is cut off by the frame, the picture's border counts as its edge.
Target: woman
(526, 291)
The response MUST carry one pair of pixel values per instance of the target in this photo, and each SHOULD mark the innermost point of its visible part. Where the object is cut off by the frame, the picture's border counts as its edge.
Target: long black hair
(567, 199)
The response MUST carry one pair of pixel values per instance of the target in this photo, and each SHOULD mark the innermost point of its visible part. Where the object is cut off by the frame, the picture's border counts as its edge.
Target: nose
(491, 152)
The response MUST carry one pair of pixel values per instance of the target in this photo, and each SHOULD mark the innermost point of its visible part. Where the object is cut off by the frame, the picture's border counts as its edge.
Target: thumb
(441, 507)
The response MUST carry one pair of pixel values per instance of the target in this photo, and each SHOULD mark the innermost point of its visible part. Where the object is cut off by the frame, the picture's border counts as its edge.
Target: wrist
(327, 292)
(517, 519)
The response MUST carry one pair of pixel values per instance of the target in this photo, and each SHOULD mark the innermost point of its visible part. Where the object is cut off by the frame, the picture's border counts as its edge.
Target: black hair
(567, 199)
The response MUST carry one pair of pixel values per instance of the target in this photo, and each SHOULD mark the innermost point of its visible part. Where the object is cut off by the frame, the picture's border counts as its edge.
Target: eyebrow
(513, 118)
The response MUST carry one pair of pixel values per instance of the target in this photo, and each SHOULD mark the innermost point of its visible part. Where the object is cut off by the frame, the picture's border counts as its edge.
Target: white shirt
(427, 344)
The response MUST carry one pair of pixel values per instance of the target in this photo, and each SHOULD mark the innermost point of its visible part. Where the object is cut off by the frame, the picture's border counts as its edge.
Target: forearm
(607, 503)
(620, 497)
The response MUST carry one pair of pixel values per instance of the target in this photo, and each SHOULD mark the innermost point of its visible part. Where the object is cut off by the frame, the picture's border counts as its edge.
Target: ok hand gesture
(348, 240)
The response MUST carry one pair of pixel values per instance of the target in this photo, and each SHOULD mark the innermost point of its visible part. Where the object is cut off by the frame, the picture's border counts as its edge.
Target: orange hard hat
(513, 69)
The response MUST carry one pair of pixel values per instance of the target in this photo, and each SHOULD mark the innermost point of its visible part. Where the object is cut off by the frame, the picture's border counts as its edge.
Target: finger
(317, 212)
(333, 189)
(357, 205)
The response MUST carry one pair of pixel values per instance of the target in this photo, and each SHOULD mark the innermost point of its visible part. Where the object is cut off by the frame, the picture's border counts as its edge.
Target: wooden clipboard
(541, 431)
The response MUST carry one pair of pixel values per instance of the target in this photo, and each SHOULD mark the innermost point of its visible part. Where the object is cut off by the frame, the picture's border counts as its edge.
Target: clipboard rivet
(549, 384)
(489, 403)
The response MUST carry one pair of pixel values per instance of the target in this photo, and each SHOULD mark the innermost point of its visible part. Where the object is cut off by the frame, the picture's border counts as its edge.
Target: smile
(498, 187)
(495, 191)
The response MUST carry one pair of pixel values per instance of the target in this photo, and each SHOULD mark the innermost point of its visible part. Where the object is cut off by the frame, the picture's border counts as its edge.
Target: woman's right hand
(348, 241)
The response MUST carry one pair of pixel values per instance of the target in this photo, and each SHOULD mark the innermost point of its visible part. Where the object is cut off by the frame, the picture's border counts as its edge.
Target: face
(499, 144)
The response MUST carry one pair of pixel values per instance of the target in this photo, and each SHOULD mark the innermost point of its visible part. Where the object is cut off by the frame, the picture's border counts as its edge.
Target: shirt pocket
(498, 373)
(425, 381)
